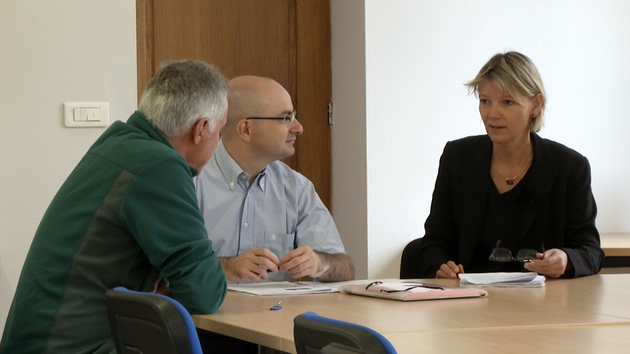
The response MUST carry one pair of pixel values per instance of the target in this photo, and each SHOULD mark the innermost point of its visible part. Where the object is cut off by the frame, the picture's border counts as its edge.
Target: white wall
(349, 165)
(53, 52)
(417, 56)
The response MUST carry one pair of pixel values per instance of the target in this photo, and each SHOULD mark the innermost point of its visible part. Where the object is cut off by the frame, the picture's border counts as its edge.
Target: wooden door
(287, 40)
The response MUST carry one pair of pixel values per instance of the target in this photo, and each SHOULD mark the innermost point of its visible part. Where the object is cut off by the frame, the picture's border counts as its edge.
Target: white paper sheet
(502, 279)
(281, 288)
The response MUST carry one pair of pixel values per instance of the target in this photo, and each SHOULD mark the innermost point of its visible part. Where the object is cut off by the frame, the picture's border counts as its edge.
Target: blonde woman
(510, 200)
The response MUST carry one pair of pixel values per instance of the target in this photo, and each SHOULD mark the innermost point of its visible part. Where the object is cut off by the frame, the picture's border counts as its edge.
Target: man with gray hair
(126, 216)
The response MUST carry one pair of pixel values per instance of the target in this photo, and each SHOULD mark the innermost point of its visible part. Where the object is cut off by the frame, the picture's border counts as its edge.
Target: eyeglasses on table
(425, 286)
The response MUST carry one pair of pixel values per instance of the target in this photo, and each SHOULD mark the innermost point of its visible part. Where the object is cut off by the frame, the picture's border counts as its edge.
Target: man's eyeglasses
(411, 287)
(500, 254)
(288, 119)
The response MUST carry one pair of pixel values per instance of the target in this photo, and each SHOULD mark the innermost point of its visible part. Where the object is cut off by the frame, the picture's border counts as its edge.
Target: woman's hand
(449, 270)
(552, 263)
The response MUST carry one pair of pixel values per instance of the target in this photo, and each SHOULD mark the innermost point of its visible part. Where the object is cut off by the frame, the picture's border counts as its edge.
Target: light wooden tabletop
(543, 339)
(589, 301)
(616, 245)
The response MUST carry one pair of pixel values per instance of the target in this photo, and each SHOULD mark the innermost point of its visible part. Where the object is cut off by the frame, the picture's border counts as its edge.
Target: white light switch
(86, 114)
(76, 114)
(93, 114)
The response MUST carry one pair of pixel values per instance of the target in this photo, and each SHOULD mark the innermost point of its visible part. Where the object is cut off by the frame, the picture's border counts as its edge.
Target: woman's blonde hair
(512, 72)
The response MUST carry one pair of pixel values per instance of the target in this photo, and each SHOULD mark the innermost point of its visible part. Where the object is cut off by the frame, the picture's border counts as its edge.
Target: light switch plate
(86, 114)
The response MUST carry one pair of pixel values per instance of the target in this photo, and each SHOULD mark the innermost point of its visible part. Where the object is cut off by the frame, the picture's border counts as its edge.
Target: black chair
(314, 334)
(409, 268)
(150, 323)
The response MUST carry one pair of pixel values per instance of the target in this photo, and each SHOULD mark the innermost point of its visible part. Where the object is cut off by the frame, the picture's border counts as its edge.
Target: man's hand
(253, 265)
(303, 261)
(161, 287)
(449, 270)
(553, 263)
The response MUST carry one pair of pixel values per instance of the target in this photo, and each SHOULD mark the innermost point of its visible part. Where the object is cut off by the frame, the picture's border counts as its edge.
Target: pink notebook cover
(411, 291)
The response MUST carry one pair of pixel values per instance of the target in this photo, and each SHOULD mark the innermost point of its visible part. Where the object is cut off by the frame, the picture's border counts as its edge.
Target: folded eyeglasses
(500, 254)
(412, 286)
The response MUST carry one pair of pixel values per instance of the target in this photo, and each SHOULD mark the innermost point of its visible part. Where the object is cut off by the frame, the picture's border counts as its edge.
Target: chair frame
(316, 332)
(409, 268)
(143, 322)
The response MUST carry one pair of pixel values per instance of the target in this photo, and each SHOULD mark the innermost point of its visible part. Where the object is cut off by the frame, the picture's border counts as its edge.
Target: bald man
(265, 220)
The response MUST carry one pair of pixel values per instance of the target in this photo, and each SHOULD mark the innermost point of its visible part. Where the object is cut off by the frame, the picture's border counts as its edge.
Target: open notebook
(411, 291)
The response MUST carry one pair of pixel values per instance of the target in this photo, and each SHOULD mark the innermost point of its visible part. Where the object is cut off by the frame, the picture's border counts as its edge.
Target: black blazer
(558, 207)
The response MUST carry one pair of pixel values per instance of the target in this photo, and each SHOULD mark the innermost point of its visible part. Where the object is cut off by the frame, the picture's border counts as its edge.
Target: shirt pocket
(278, 243)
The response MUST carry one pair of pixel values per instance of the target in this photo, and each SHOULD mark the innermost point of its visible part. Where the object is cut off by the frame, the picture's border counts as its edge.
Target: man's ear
(244, 129)
(198, 129)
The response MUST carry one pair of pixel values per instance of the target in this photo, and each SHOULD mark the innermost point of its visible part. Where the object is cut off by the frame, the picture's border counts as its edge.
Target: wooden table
(616, 245)
(600, 300)
(557, 339)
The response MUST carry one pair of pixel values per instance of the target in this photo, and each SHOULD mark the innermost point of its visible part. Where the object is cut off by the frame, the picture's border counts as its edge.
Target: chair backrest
(409, 268)
(144, 322)
(336, 348)
(313, 332)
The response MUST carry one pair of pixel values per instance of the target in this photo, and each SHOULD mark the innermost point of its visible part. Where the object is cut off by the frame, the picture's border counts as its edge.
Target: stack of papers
(282, 288)
(502, 280)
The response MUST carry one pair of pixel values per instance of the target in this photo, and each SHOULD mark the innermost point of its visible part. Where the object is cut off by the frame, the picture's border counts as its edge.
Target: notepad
(411, 291)
(281, 288)
(502, 280)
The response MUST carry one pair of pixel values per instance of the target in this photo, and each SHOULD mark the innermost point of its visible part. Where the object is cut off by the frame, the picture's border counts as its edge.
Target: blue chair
(150, 323)
(315, 334)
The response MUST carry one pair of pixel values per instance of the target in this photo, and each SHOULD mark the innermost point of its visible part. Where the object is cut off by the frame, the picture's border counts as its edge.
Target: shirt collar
(233, 173)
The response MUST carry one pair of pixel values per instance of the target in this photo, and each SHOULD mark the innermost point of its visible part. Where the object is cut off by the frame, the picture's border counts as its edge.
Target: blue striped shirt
(280, 211)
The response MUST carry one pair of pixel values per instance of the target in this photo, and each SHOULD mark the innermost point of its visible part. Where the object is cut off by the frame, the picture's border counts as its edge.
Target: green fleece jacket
(126, 216)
